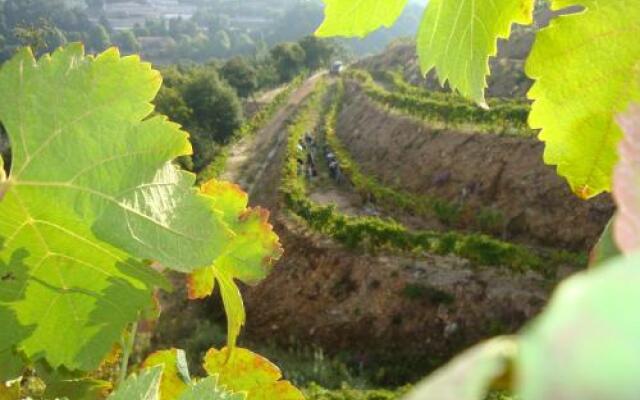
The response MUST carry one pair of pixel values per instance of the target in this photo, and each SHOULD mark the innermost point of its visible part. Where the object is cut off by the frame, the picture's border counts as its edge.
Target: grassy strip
(315, 392)
(375, 233)
(397, 80)
(447, 212)
(447, 109)
(259, 120)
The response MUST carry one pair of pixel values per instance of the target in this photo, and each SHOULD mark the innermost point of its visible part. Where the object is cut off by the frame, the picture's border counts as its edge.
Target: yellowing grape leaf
(470, 375)
(176, 383)
(248, 257)
(458, 37)
(243, 370)
(626, 184)
(358, 17)
(175, 376)
(585, 345)
(144, 386)
(92, 192)
(584, 67)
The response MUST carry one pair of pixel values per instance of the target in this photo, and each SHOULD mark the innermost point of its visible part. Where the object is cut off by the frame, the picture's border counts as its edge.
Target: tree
(240, 75)
(169, 102)
(127, 42)
(98, 38)
(243, 44)
(215, 105)
(220, 43)
(318, 52)
(289, 60)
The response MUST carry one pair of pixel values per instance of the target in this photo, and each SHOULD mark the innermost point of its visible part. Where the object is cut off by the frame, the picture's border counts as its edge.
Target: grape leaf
(358, 17)
(626, 184)
(248, 257)
(175, 377)
(91, 192)
(140, 387)
(471, 375)
(176, 382)
(458, 37)
(207, 389)
(584, 66)
(585, 345)
(244, 371)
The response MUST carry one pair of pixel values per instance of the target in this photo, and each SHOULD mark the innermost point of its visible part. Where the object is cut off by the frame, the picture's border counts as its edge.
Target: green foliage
(478, 248)
(457, 38)
(248, 257)
(316, 392)
(512, 107)
(576, 95)
(98, 38)
(73, 234)
(214, 103)
(198, 99)
(127, 42)
(92, 194)
(375, 233)
(145, 386)
(448, 109)
(240, 75)
(318, 52)
(215, 168)
(346, 18)
(289, 59)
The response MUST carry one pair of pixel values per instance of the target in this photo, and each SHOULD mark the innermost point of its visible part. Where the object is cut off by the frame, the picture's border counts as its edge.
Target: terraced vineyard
(372, 250)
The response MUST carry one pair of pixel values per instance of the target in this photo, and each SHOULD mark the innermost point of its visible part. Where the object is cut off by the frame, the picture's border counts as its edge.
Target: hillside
(488, 246)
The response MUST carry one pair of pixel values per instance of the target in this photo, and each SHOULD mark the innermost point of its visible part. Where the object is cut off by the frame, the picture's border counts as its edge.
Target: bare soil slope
(481, 170)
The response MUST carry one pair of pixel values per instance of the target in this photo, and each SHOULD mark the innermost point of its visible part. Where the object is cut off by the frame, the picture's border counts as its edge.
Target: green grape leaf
(584, 65)
(208, 389)
(470, 375)
(358, 17)
(245, 371)
(458, 37)
(11, 365)
(626, 184)
(248, 257)
(145, 386)
(91, 192)
(585, 345)
(175, 378)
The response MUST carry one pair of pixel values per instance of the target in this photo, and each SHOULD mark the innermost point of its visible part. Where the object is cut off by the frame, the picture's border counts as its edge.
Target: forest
(322, 200)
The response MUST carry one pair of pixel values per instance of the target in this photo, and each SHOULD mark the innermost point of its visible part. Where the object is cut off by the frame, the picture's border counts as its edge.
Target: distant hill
(507, 68)
(507, 78)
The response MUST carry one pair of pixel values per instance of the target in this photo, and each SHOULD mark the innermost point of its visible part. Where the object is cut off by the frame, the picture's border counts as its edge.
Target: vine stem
(128, 341)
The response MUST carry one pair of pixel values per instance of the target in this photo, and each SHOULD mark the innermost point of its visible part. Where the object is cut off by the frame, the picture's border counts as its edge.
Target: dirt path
(251, 157)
